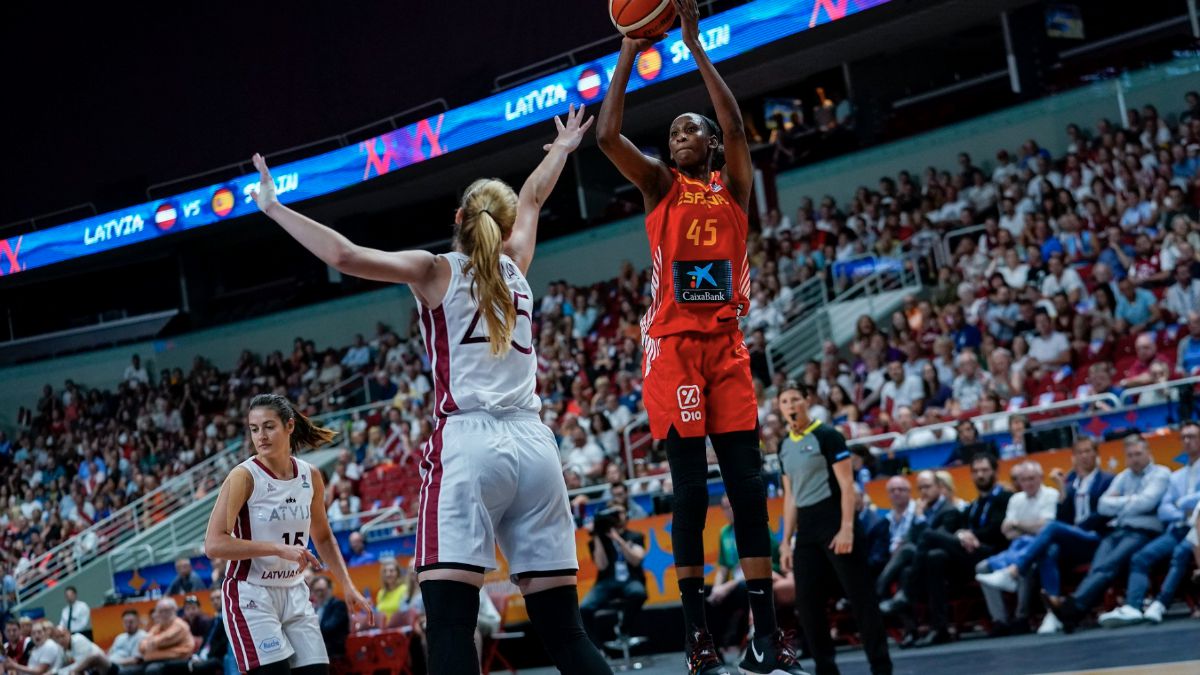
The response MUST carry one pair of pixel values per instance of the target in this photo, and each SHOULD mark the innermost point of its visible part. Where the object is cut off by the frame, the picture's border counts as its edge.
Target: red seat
(491, 644)
(378, 650)
(393, 651)
(361, 655)
(1125, 346)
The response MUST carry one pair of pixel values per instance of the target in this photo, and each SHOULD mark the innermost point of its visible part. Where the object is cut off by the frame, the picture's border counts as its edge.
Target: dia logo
(688, 397)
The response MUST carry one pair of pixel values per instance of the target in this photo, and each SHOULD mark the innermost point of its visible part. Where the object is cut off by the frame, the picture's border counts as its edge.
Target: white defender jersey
(278, 511)
(466, 377)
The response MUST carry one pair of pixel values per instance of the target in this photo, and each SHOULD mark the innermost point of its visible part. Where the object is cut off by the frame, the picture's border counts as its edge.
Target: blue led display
(724, 35)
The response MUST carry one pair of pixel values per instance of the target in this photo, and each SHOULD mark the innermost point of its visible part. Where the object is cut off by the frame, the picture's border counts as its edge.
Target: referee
(818, 481)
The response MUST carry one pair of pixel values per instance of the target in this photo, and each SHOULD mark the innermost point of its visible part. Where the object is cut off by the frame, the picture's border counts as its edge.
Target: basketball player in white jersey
(266, 511)
(491, 472)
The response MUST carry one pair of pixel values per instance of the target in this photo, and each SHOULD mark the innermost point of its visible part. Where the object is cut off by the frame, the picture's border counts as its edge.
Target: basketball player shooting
(696, 366)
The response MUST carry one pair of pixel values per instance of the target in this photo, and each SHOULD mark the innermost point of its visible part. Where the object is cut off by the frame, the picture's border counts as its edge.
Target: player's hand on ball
(571, 133)
(301, 555)
(689, 21)
(639, 45)
(264, 196)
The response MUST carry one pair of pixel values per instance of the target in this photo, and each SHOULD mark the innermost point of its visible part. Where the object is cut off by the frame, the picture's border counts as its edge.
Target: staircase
(876, 294)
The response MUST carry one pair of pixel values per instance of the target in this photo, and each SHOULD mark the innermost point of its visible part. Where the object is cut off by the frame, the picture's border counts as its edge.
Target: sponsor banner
(724, 35)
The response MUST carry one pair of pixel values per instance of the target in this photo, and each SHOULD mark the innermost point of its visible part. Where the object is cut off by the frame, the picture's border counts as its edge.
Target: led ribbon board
(724, 35)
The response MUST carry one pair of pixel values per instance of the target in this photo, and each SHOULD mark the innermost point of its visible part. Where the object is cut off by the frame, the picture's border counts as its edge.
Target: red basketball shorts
(698, 383)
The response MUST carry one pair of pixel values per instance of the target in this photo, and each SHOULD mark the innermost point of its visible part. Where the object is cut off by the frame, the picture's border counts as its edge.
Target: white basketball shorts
(494, 479)
(266, 624)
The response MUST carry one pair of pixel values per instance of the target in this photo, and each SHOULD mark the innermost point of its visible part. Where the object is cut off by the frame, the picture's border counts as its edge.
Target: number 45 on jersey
(703, 235)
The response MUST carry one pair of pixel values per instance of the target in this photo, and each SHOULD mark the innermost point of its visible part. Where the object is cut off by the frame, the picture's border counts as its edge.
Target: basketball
(642, 18)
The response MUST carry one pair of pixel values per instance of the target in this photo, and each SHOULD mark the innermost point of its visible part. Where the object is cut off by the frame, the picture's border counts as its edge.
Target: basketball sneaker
(772, 655)
(702, 657)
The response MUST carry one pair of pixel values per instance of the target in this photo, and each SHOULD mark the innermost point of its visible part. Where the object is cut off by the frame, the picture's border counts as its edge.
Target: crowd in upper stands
(1084, 280)
(1081, 278)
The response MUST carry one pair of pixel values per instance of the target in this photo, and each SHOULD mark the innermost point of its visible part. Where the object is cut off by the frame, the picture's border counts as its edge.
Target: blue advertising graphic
(724, 36)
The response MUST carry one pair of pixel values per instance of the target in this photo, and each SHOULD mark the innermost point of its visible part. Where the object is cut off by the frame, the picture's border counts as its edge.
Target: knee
(1184, 553)
(1141, 561)
(690, 504)
(747, 497)
(1052, 552)
(927, 541)
(1106, 567)
(636, 595)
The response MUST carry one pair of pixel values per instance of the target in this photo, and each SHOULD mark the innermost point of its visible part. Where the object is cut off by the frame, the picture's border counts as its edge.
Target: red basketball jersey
(700, 280)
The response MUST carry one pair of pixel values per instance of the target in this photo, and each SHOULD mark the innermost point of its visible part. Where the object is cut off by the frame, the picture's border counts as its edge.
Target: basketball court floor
(1170, 649)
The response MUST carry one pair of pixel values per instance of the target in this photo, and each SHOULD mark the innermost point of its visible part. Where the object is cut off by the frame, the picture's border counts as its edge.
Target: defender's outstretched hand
(571, 133)
(264, 196)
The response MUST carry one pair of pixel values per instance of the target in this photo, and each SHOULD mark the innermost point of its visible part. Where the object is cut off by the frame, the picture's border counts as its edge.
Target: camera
(605, 521)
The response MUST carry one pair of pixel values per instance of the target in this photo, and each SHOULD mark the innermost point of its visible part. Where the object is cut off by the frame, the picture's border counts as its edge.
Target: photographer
(617, 553)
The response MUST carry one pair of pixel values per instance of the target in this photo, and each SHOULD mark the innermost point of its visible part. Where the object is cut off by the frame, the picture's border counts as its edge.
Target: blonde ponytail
(489, 209)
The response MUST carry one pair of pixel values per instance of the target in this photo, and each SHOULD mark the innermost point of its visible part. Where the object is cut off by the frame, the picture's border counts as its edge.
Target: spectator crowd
(1051, 275)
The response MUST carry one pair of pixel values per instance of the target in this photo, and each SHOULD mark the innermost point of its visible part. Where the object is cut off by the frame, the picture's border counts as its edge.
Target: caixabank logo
(706, 281)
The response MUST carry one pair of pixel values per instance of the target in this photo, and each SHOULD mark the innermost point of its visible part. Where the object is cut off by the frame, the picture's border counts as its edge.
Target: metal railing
(898, 275)
(811, 295)
(888, 439)
(390, 522)
(147, 511)
(803, 338)
(1135, 393)
(393, 521)
(344, 391)
(946, 250)
(638, 422)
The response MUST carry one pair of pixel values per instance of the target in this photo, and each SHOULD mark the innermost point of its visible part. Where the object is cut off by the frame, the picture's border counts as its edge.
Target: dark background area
(111, 98)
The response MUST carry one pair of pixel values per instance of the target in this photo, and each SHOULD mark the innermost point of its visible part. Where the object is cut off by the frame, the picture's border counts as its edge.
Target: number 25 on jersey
(470, 338)
(703, 235)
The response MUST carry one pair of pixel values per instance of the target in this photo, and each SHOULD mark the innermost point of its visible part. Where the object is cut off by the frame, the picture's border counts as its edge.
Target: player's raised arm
(540, 184)
(738, 173)
(651, 176)
(403, 267)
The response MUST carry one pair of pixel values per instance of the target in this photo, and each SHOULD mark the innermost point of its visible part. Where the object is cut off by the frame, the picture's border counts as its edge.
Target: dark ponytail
(305, 434)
